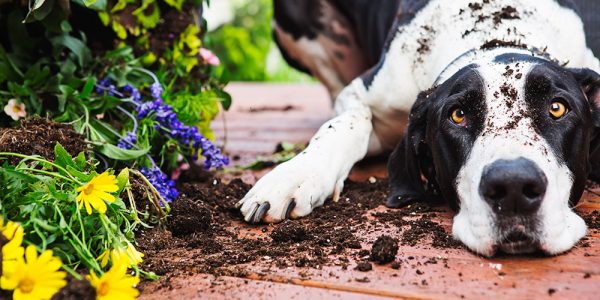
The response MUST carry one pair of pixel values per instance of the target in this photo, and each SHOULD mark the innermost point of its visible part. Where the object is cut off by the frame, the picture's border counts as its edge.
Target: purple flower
(101, 85)
(156, 90)
(128, 141)
(160, 181)
(106, 86)
(166, 123)
(133, 92)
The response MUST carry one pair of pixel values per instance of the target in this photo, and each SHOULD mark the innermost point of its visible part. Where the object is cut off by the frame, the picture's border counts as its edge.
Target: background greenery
(246, 48)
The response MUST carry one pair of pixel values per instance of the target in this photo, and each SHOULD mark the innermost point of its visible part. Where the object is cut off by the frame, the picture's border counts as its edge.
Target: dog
(492, 104)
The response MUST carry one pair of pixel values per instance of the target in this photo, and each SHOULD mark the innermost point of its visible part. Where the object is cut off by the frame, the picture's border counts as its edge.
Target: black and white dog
(495, 103)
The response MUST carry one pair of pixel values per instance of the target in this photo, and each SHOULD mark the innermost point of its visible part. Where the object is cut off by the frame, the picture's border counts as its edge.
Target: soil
(76, 290)
(224, 245)
(593, 220)
(384, 249)
(39, 136)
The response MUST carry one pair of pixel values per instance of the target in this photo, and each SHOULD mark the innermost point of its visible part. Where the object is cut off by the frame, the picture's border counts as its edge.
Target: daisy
(114, 284)
(12, 250)
(35, 277)
(94, 193)
(15, 110)
(128, 256)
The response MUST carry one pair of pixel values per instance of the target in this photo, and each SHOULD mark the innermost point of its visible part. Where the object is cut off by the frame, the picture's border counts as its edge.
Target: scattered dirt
(495, 43)
(76, 290)
(188, 217)
(384, 249)
(39, 136)
(259, 109)
(506, 13)
(593, 220)
(289, 231)
(331, 235)
(364, 266)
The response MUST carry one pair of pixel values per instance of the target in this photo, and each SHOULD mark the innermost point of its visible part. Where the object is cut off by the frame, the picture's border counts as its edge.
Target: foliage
(59, 81)
(43, 197)
(134, 79)
(246, 48)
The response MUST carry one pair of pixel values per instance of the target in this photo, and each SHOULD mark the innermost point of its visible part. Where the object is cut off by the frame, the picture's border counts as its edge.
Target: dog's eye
(558, 110)
(458, 116)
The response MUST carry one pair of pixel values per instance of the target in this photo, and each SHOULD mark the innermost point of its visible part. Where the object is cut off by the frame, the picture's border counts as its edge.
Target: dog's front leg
(297, 186)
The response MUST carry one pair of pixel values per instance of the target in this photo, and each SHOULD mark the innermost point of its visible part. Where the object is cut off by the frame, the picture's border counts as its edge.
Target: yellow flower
(95, 192)
(128, 256)
(35, 277)
(12, 251)
(115, 284)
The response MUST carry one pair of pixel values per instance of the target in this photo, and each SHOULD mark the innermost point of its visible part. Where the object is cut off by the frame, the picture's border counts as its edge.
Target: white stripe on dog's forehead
(507, 113)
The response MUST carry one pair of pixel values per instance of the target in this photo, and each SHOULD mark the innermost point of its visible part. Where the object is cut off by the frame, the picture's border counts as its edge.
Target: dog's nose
(513, 187)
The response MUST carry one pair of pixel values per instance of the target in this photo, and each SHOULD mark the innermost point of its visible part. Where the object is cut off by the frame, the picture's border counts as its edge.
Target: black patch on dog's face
(435, 147)
(450, 143)
(568, 136)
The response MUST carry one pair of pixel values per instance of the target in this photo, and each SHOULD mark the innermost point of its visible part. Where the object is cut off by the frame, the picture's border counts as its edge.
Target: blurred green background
(240, 35)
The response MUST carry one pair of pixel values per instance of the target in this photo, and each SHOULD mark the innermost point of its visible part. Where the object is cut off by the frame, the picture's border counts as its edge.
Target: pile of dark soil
(384, 249)
(76, 290)
(39, 136)
(333, 235)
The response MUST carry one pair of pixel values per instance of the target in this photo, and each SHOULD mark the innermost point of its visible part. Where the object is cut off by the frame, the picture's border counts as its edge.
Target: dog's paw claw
(260, 213)
(289, 209)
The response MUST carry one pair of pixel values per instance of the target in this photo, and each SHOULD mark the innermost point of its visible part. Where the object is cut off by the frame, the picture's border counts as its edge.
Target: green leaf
(83, 177)
(146, 18)
(114, 152)
(122, 179)
(77, 47)
(39, 10)
(62, 157)
(87, 88)
(225, 99)
(175, 3)
(80, 161)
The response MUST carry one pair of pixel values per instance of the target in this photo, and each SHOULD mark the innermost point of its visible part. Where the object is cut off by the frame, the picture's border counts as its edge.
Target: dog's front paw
(291, 190)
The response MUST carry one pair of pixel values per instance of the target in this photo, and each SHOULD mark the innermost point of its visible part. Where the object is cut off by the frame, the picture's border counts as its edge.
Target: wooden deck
(264, 115)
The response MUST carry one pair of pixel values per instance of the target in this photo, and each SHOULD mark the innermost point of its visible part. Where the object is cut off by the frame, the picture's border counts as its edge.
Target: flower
(15, 110)
(128, 141)
(156, 90)
(162, 184)
(167, 123)
(133, 92)
(114, 284)
(128, 256)
(209, 57)
(35, 277)
(105, 85)
(12, 250)
(95, 192)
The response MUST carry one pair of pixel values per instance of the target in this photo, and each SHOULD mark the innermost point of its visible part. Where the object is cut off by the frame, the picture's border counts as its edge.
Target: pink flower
(209, 57)
(15, 110)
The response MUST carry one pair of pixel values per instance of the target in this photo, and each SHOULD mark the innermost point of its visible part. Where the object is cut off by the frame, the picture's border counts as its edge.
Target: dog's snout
(513, 187)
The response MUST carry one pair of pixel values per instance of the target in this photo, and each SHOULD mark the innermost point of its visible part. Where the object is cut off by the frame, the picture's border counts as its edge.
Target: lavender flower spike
(128, 141)
(160, 181)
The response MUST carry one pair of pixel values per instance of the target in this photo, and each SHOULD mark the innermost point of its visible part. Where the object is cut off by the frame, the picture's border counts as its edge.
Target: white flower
(15, 110)
(209, 57)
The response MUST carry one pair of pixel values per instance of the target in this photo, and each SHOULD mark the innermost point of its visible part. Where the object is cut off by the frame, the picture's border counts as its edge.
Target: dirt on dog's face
(507, 143)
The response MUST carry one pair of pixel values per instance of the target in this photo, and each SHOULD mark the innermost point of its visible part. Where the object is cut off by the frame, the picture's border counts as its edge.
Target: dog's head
(509, 143)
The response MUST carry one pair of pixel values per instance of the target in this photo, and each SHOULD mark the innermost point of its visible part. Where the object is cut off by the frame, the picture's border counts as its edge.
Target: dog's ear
(410, 165)
(590, 85)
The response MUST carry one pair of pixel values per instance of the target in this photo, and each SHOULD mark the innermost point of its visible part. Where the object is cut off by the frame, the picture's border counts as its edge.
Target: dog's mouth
(518, 242)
